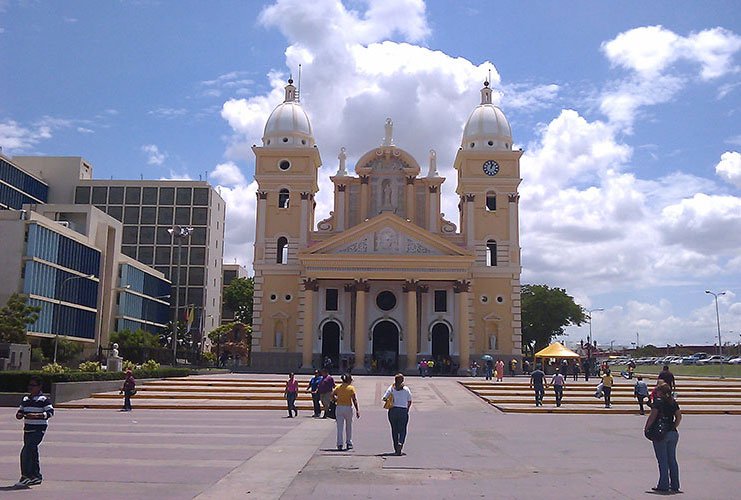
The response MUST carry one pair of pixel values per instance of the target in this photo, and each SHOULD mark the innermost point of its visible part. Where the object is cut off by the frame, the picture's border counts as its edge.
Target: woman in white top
(399, 412)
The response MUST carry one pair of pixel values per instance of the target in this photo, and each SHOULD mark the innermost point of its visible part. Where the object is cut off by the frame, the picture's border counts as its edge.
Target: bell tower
(488, 179)
(286, 168)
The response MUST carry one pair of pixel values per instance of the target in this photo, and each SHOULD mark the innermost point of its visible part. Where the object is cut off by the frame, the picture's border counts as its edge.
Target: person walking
(607, 382)
(489, 369)
(665, 449)
(667, 377)
(537, 381)
(35, 410)
(325, 388)
(128, 389)
(640, 391)
(558, 382)
(512, 367)
(499, 367)
(313, 389)
(575, 370)
(586, 366)
(291, 393)
(345, 397)
(398, 413)
(526, 366)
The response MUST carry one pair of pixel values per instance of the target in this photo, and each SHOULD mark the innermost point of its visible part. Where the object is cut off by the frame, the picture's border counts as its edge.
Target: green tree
(238, 296)
(67, 350)
(15, 318)
(545, 313)
(137, 338)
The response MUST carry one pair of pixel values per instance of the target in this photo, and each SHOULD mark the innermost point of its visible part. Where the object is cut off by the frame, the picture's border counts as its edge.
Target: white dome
(487, 128)
(288, 124)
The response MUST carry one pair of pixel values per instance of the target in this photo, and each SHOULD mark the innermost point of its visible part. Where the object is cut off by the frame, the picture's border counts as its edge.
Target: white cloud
(154, 155)
(168, 112)
(84, 130)
(650, 50)
(15, 137)
(729, 167)
(227, 174)
(653, 55)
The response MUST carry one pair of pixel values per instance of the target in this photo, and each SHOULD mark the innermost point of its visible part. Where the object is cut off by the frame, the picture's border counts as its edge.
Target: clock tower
(488, 179)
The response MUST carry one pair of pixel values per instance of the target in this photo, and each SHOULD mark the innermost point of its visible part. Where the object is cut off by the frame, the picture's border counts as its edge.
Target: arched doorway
(440, 341)
(386, 347)
(331, 344)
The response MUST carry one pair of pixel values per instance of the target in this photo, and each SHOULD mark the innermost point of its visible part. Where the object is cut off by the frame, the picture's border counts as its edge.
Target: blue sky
(628, 112)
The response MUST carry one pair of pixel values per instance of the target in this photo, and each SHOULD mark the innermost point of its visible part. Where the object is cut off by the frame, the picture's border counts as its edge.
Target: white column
(310, 286)
(361, 332)
(411, 202)
(470, 226)
(434, 219)
(364, 179)
(410, 336)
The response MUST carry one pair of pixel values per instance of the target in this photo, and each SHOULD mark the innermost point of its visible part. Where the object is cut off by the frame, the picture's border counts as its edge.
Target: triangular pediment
(388, 234)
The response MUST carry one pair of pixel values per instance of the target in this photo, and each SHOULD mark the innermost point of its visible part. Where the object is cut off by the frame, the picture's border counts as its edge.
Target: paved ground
(458, 447)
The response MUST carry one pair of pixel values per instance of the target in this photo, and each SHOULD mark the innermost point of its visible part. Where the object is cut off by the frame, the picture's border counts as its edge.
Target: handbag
(657, 430)
(388, 403)
(332, 410)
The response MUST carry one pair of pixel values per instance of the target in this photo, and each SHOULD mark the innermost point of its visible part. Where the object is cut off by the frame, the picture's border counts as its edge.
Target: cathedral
(386, 280)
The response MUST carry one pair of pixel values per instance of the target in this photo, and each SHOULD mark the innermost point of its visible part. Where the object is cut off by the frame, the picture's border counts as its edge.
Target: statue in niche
(386, 193)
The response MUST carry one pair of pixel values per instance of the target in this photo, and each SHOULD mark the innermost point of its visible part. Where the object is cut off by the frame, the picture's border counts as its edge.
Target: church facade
(386, 280)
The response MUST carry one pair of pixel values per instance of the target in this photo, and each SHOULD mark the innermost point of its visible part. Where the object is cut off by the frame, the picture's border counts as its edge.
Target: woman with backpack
(661, 428)
(398, 400)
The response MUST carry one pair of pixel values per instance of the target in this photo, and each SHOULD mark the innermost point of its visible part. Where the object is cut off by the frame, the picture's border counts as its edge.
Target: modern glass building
(143, 300)
(60, 275)
(18, 187)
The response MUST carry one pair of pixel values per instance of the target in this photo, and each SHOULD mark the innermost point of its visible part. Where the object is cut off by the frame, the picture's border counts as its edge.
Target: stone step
(216, 396)
(175, 404)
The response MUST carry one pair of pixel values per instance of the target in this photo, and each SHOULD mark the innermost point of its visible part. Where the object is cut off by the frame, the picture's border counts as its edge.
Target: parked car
(734, 361)
(715, 359)
(689, 360)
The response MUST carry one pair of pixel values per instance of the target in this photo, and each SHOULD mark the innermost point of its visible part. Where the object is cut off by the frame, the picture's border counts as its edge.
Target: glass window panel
(195, 296)
(184, 196)
(200, 197)
(130, 234)
(167, 196)
(133, 195)
(130, 251)
(163, 237)
(100, 195)
(116, 195)
(200, 216)
(116, 212)
(198, 237)
(146, 254)
(82, 195)
(162, 255)
(196, 276)
(165, 216)
(182, 216)
(149, 196)
(198, 256)
(131, 215)
(148, 215)
(441, 301)
(146, 234)
(331, 296)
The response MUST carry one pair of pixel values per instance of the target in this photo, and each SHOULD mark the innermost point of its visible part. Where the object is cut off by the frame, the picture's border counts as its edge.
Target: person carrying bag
(398, 399)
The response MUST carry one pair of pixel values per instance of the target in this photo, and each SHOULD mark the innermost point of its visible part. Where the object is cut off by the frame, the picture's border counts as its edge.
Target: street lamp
(589, 339)
(178, 233)
(717, 319)
(59, 303)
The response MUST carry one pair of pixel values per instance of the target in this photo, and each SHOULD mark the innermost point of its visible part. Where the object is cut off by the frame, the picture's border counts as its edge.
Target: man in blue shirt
(35, 410)
(314, 389)
(537, 381)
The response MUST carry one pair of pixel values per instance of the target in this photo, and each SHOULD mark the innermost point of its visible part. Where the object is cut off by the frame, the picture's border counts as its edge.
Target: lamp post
(717, 319)
(178, 233)
(59, 303)
(589, 340)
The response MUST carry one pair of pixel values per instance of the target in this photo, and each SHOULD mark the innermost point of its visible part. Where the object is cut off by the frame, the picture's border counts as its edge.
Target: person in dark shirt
(35, 410)
(665, 448)
(313, 387)
(537, 382)
(667, 377)
(325, 388)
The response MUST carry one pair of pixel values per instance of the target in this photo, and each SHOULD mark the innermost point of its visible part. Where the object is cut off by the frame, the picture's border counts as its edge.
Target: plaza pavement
(458, 447)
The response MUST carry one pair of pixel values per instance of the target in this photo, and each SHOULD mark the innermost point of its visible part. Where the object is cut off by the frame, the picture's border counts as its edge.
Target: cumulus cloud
(652, 55)
(154, 155)
(227, 174)
(14, 137)
(729, 167)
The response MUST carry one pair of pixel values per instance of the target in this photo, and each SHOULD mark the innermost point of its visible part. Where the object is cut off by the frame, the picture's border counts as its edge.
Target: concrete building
(18, 187)
(147, 209)
(386, 280)
(67, 259)
(230, 273)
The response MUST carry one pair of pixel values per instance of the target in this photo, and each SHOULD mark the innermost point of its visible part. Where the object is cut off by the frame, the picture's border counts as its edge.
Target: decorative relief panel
(388, 241)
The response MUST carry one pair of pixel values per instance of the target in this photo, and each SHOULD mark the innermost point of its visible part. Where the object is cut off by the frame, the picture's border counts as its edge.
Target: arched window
(282, 251)
(491, 253)
(491, 201)
(284, 198)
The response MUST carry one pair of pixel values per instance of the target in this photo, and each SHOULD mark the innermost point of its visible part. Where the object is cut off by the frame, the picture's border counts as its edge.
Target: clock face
(491, 167)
